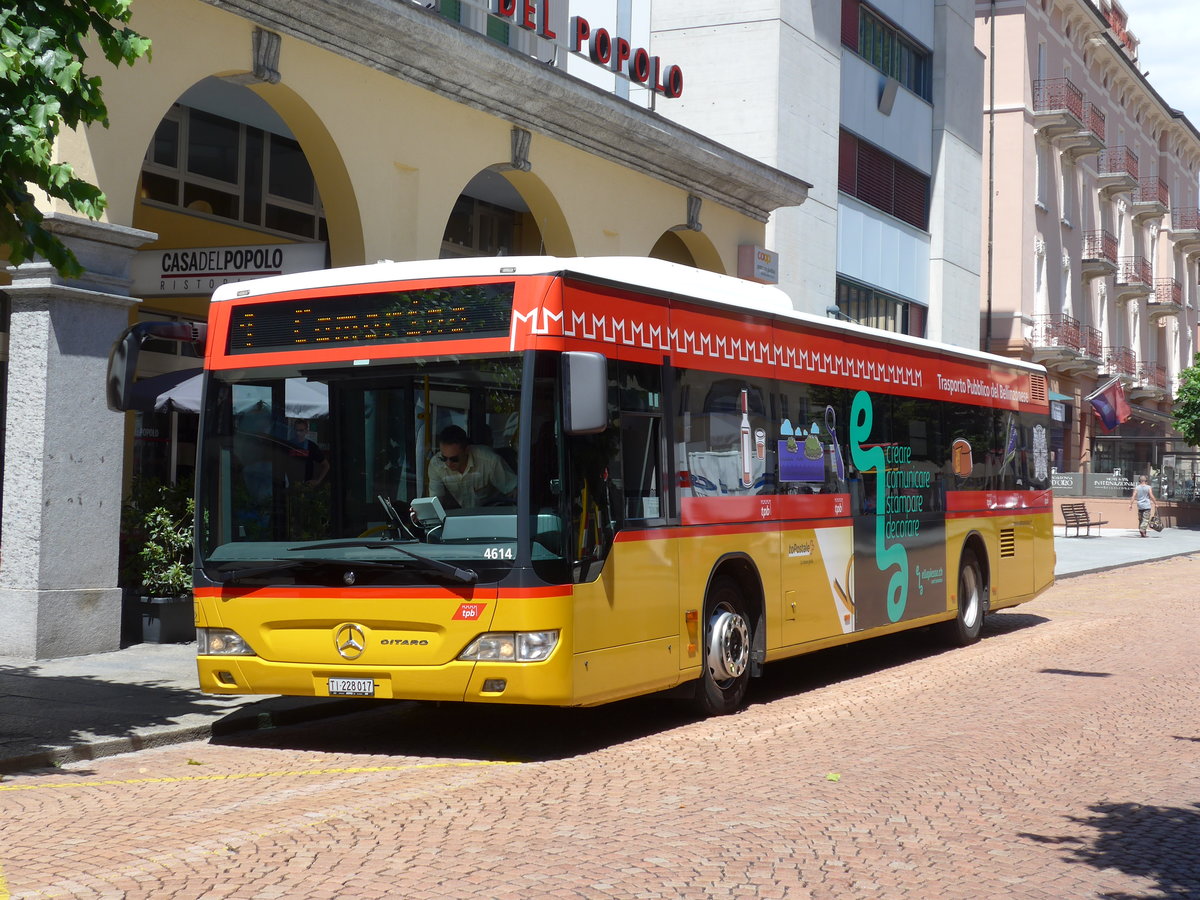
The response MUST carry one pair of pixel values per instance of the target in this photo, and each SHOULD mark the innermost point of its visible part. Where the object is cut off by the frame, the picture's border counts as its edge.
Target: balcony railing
(1134, 270)
(1153, 376)
(1056, 330)
(1119, 161)
(1151, 189)
(1093, 120)
(1091, 342)
(1100, 244)
(1053, 94)
(1120, 361)
(1168, 290)
(1185, 219)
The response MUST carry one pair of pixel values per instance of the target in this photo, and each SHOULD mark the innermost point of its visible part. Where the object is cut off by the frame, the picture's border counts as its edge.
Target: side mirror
(123, 359)
(585, 392)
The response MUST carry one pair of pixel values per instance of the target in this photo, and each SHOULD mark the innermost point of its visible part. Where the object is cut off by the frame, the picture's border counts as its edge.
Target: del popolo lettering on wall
(597, 44)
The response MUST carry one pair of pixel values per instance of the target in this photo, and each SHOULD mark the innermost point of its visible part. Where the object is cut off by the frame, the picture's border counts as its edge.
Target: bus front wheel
(726, 669)
(964, 628)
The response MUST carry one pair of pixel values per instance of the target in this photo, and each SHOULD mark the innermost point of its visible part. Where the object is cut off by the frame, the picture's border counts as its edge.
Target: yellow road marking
(4, 894)
(236, 776)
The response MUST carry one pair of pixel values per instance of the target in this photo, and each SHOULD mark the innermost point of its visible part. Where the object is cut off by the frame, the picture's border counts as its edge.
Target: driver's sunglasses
(450, 459)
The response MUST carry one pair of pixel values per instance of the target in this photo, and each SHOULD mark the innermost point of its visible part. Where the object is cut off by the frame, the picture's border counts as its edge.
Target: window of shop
(479, 228)
(879, 309)
(212, 166)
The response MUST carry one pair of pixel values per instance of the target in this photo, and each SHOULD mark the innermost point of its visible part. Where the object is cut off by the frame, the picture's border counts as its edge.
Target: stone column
(63, 448)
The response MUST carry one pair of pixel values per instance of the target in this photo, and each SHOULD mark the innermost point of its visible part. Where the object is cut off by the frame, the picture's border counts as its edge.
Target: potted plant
(156, 563)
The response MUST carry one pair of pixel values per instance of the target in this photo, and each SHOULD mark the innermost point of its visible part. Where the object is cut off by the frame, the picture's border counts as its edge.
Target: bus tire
(725, 672)
(964, 628)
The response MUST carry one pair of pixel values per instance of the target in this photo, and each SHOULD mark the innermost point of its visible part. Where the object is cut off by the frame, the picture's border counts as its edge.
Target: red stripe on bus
(763, 507)
(432, 592)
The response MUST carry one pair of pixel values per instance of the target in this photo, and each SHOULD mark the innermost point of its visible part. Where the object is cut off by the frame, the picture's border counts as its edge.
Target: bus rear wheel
(726, 669)
(964, 628)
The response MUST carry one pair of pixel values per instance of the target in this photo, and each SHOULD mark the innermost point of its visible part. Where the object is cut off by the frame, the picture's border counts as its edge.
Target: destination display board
(362, 319)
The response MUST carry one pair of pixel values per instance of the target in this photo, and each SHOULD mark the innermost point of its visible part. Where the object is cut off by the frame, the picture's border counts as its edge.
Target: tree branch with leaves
(43, 86)
(1187, 403)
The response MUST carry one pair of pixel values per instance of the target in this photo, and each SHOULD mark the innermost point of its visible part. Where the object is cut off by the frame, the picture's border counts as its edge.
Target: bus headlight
(509, 646)
(221, 642)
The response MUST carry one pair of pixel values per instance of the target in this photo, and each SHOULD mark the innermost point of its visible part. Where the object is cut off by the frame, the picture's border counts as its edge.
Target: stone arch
(545, 210)
(539, 227)
(259, 102)
(689, 247)
(346, 240)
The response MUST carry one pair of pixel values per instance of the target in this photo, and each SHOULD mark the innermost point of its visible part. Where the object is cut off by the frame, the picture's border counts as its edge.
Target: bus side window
(642, 481)
(724, 435)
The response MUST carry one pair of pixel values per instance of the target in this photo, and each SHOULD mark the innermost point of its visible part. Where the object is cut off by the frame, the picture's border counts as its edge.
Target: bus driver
(470, 474)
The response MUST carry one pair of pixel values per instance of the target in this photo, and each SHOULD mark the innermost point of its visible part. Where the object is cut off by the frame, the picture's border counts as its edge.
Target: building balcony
(1088, 139)
(1167, 299)
(1099, 254)
(1117, 171)
(1092, 345)
(1150, 199)
(1153, 375)
(1185, 229)
(1058, 342)
(1120, 361)
(1134, 279)
(1057, 107)
(1151, 382)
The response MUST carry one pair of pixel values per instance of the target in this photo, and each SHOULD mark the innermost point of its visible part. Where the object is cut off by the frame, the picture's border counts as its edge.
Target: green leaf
(44, 85)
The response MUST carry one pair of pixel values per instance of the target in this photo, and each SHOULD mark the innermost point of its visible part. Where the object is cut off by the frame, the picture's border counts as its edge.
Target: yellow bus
(571, 481)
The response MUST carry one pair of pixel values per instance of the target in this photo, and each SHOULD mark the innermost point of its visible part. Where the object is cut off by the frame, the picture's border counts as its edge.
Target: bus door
(624, 562)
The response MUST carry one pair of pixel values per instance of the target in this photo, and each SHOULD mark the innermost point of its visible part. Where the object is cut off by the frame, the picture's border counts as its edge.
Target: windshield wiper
(464, 576)
(266, 568)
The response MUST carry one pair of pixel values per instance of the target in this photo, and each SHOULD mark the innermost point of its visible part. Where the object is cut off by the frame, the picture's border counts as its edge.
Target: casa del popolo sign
(201, 270)
(595, 44)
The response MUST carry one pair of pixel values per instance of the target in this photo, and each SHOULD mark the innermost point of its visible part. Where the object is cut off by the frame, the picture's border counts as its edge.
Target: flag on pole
(1110, 404)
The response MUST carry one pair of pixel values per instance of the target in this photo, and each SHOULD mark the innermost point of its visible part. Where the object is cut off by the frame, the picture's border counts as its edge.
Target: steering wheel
(402, 527)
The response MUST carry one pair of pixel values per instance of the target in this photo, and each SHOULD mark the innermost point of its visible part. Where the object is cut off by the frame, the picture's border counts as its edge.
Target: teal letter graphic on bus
(862, 415)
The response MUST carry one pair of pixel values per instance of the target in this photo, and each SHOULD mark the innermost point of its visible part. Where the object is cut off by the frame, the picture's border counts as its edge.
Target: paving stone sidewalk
(86, 707)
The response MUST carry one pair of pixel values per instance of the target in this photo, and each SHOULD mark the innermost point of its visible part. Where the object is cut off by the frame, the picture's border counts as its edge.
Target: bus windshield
(309, 476)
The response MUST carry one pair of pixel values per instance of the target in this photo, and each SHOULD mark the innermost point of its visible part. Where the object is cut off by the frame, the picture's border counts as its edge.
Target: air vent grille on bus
(1008, 543)
(1037, 388)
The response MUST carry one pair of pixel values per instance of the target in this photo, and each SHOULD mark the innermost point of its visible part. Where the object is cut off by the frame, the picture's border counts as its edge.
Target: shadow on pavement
(794, 676)
(541, 734)
(476, 732)
(42, 716)
(1157, 843)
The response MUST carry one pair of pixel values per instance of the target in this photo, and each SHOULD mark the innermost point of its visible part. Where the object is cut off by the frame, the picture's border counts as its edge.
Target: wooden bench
(1075, 515)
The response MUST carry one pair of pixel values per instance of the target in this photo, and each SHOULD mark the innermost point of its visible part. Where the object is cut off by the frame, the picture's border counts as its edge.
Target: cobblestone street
(1057, 758)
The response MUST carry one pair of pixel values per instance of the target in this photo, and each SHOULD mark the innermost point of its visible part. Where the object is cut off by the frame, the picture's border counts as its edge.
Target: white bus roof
(653, 275)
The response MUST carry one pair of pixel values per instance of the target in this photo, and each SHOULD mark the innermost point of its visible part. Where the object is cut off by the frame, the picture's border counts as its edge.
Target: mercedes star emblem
(350, 641)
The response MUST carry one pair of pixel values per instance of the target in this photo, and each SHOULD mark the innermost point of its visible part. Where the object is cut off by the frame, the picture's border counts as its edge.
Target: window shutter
(847, 163)
(875, 177)
(911, 196)
(850, 24)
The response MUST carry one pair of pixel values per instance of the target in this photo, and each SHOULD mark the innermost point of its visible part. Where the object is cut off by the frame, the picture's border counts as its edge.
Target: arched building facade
(269, 136)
